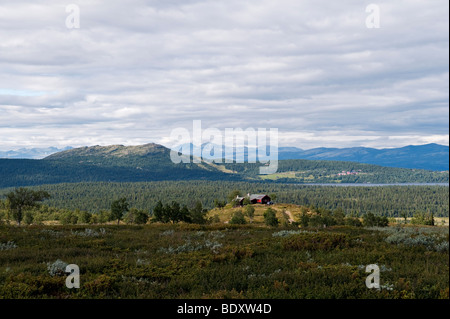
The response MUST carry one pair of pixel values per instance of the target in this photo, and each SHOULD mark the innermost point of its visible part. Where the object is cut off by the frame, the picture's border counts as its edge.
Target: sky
(133, 71)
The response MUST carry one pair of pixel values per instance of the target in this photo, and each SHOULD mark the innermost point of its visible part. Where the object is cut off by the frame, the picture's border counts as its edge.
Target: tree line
(25, 205)
(390, 201)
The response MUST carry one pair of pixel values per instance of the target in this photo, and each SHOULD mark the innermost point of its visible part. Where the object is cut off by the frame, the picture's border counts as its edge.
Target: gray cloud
(137, 69)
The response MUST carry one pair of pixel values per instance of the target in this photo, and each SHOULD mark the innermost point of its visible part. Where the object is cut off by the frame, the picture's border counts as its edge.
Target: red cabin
(259, 199)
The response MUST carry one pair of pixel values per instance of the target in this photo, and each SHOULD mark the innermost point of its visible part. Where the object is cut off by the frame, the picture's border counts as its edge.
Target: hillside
(115, 163)
(286, 213)
(430, 156)
(151, 162)
(315, 171)
(112, 151)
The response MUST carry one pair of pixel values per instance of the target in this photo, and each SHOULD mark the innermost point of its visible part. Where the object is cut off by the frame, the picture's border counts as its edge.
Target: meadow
(185, 261)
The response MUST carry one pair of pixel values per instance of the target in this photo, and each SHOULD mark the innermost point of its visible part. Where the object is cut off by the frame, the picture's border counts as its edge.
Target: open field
(223, 261)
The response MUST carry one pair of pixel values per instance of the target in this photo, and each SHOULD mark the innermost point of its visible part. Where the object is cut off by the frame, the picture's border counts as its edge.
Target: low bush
(316, 241)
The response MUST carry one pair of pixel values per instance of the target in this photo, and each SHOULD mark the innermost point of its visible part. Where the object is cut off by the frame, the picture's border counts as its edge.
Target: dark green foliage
(214, 219)
(136, 216)
(219, 204)
(238, 218)
(390, 201)
(316, 241)
(28, 218)
(84, 217)
(352, 221)
(69, 218)
(104, 216)
(421, 218)
(182, 261)
(370, 220)
(270, 218)
(249, 211)
(21, 172)
(304, 219)
(118, 208)
(159, 213)
(176, 213)
(233, 194)
(324, 218)
(22, 199)
(198, 213)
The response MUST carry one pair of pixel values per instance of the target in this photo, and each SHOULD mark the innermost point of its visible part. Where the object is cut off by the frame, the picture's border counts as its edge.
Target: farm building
(259, 199)
(254, 199)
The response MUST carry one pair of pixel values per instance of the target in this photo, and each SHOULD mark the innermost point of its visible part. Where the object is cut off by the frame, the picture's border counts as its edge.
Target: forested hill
(117, 163)
(429, 156)
(151, 162)
(312, 171)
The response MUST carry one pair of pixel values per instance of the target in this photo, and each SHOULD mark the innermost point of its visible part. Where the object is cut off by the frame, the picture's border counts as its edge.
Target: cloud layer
(135, 70)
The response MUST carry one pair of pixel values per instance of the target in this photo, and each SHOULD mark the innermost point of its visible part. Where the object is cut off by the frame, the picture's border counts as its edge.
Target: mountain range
(152, 162)
(429, 156)
(432, 157)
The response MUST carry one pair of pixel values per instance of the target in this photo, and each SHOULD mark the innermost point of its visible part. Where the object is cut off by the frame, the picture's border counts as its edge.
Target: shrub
(169, 232)
(421, 218)
(233, 253)
(28, 218)
(136, 216)
(100, 286)
(270, 217)
(89, 233)
(316, 221)
(238, 218)
(69, 218)
(427, 237)
(7, 246)
(84, 217)
(285, 233)
(316, 241)
(370, 220)
(215, 219)
(250, 212)
(304, 218)
(58, 268)
(104, 216)
(352, 221)
(441, 247)
(188, 246)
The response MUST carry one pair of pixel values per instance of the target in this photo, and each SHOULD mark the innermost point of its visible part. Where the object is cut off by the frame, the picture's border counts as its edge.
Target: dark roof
(257, 196)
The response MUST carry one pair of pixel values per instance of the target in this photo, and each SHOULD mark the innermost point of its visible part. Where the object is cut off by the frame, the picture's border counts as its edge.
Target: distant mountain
(103, 153)
(430, 156)
(32, 153)
(152, 162)
(115, 163)
(148, 158)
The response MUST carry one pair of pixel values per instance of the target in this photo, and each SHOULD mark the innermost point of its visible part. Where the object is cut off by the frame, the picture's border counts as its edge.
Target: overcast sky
(137, 69)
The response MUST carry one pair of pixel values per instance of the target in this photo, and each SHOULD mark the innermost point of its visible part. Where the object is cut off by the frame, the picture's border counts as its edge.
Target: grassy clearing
(223, 261)
(227, 212)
